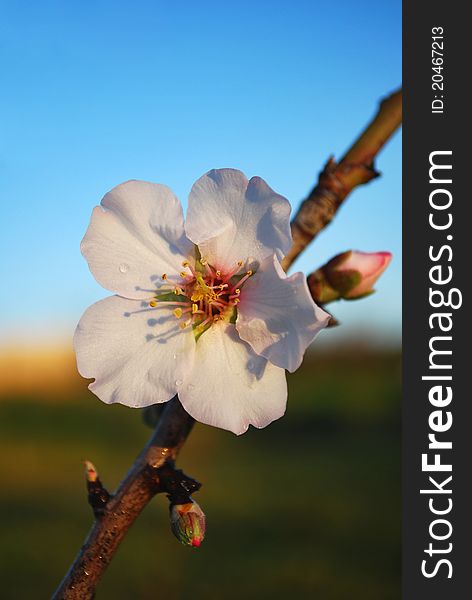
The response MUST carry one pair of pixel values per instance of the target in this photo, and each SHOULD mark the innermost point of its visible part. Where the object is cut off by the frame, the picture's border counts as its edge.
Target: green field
(307, 508)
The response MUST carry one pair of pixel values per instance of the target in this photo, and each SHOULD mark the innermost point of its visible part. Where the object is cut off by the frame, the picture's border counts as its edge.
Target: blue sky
(98, 92)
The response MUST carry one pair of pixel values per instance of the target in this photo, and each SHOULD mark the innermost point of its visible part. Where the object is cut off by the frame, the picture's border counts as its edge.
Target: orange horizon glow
(44, 370)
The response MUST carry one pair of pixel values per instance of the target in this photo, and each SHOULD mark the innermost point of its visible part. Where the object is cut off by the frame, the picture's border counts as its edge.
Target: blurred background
(97, 92)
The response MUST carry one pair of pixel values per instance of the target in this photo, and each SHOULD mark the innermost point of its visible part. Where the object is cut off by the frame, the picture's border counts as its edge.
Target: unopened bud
(91, 474)
(98, 496)
(350, 275)
(187, 522)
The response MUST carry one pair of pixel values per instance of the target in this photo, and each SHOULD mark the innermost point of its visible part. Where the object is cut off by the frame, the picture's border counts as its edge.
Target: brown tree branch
(144, 479)
(135, 491)
(337, 180)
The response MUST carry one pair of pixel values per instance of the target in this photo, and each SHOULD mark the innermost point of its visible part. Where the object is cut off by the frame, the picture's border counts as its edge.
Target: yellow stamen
(240, 263)
(185, 263)
(237, 291)
(183, 274)
(211, 297)
(194, 308)
(177, 312)
(178, 291)
(249, 273)
(164, 276)
(183, 325)
(218, 273)
(153, 303)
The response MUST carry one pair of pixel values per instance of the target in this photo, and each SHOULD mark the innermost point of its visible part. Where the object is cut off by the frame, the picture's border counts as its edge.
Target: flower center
(202, 295)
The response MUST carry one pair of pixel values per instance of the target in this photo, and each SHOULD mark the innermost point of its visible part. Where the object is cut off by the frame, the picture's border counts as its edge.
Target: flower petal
(134, 237)
(137, 355)
(370, 265)
(233, 219)
(277, 315)
(230, 386)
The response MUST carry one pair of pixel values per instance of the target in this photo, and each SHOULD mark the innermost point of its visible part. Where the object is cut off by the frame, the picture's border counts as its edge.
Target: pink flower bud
(353, 274)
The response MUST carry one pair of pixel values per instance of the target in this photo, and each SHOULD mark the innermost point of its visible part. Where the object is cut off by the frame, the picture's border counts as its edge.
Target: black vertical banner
(437, 267)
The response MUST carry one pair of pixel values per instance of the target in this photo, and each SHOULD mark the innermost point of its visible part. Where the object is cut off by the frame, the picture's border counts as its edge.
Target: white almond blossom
(202, 309)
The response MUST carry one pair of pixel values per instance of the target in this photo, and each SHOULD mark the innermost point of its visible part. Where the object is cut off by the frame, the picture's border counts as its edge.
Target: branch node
(337, 180)
(176, 484)
(98, 495)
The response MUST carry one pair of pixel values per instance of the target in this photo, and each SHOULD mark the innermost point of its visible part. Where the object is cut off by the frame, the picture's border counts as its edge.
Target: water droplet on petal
(178, 382)
(123, 268)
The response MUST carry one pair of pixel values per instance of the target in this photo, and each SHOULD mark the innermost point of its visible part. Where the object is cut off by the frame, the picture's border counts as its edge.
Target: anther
(164, 276)
(177, 312)
(185, 263)
(183, 274)
(218, 273)
(194, 308)
(153, 303)
(178, 291)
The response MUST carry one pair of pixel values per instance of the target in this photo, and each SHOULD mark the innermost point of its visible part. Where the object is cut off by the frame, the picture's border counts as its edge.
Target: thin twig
(174, 425)
(337, 180)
